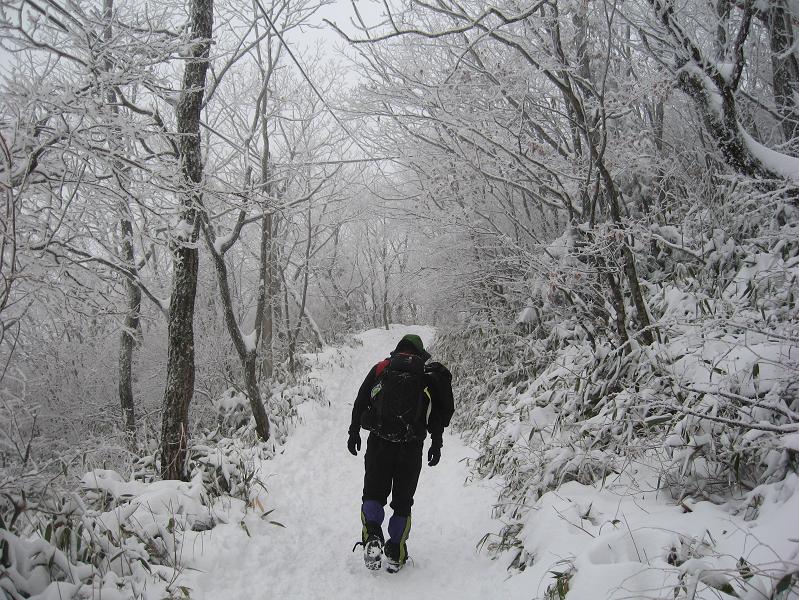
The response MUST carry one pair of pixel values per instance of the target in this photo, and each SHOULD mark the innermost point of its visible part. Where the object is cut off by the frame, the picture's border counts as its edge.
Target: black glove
(434, 454)
(354, 443)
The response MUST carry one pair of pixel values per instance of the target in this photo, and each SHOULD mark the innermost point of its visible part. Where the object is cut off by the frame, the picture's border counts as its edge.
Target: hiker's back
(398, 405)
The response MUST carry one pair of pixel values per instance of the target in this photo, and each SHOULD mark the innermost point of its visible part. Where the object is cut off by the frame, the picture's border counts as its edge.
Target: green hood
(416, 342)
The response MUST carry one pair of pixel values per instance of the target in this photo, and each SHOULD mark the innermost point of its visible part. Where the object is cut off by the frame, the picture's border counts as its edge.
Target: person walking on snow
(400, 400)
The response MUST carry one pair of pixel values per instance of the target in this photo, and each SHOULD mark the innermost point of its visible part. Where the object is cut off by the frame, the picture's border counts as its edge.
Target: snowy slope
(314, 489)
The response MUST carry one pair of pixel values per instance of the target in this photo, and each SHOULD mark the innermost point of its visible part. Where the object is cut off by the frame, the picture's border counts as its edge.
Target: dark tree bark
(784, 67)
(630, 270)
(621, 312)
(589, 127)
(722, 125)
(269, 290)
(386, 272)
(247, 354)
(130, 334)
(180, 360)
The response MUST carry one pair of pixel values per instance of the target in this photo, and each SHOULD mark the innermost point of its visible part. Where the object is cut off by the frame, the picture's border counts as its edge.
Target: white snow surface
(617, 538)
(314, 490)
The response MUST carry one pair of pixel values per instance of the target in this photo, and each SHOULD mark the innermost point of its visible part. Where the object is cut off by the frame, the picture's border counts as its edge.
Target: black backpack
(398, 408)
(440, 383)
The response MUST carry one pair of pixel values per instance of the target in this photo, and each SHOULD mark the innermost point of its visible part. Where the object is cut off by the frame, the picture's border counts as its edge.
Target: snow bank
(118, 539)
(624, 539)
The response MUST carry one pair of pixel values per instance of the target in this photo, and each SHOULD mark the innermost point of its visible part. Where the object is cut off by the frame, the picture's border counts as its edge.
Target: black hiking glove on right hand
(354, 443)
(434, 454)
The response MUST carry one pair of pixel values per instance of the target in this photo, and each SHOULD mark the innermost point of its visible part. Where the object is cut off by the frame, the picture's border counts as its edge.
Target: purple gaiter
(373, 511)
(396, 528)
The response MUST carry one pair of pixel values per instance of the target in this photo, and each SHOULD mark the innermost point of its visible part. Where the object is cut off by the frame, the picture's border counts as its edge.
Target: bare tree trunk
(275, 293)
(656, 114)
(130, 334)
(612, 194)
(266, 295)
(621, 312)
(267, 305)
(180, 355)
(630, 270)
(131, 327)
(180, 366)
(384, 257)
(343, 305)
(784, 67)
(247, 347)
(248, 353)
(286, 311)
(723, 15)
(305, 314)
(295, 334)
(268, 281)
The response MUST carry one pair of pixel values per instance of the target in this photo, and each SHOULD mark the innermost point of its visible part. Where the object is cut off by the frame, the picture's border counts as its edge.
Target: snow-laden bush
(110, 538)
(283, 394)
(232, 410)
(116, 537)
(119, 537)
(287, 391)
(551, 392)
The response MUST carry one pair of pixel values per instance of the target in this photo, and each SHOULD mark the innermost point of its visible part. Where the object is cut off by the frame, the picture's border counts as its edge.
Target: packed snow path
(314, 489)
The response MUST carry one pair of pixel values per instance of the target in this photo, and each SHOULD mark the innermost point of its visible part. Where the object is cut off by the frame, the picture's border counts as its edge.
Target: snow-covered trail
(314, 488)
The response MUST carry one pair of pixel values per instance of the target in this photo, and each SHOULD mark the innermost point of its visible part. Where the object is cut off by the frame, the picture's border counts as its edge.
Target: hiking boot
(396, 555)
(373, 553)
(372, 545)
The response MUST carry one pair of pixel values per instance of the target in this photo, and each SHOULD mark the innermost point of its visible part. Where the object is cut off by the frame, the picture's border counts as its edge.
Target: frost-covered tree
(81, 175)
(180, 360)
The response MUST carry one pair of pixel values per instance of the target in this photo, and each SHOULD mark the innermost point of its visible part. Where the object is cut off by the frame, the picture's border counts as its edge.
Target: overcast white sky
(342, 14)
(339, 12)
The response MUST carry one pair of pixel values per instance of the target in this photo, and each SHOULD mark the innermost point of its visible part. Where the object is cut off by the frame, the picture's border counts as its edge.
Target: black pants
(392, 467)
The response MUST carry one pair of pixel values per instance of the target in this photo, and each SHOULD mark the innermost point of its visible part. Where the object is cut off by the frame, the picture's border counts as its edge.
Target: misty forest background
(594, 202)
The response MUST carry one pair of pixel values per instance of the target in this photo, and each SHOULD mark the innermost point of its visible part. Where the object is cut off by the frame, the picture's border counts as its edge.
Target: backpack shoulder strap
(381, 366)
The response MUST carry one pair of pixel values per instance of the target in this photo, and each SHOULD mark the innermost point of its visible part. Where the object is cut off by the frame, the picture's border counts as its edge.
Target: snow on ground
(619, 541)
(621, 538)
(314, 490)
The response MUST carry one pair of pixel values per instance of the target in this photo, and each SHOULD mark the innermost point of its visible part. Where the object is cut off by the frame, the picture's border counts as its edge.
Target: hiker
(400, 400)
